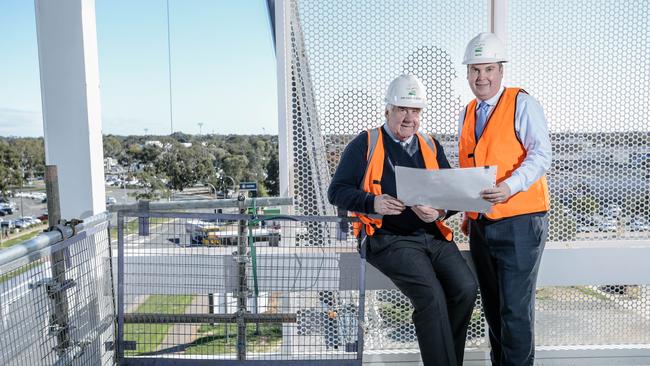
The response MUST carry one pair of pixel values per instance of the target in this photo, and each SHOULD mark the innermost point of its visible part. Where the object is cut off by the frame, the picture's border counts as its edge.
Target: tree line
(169, 163)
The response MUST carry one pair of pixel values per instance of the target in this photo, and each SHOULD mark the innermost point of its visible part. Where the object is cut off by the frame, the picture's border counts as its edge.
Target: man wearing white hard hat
(506, 127)
(410, 245)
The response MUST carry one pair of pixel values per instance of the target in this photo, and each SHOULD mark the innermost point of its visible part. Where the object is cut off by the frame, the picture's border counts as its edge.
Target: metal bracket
(126, 345)
(54, 328)
(52, 286)
(247, 294)
(241, 258)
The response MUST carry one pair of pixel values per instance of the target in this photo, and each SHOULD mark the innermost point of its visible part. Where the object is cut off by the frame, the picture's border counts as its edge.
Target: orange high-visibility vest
(375, 169)
(499, 145)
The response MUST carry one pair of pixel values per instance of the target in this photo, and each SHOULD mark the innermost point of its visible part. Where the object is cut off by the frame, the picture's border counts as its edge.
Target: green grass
(591, 292)
(214, 341)
(19, 271)
(395, 314)
(131, 227)
(149, 336)
(19, 239)
(542, 294)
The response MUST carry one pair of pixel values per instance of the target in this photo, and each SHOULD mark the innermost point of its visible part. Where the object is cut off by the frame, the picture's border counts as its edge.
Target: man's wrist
(442, 214)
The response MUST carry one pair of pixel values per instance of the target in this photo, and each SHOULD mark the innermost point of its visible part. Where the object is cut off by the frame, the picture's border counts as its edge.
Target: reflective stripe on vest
(499, 145)
(374, 171)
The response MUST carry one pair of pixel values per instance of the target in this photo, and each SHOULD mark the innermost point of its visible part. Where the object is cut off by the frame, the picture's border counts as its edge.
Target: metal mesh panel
(389, 326)
(342, 56)
(189, 294)
(587, 63)
(34, 329)
(593, 315)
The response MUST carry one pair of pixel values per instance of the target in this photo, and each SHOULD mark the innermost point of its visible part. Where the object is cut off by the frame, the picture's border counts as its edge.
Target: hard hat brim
(477, 61)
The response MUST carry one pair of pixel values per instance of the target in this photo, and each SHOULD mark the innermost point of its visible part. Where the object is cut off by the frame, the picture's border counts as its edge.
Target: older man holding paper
(411, 245)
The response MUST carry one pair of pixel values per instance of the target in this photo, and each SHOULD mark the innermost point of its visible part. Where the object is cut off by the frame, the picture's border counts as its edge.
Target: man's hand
(388, 205)
(426, 213)
(498, 194)
(464, 226)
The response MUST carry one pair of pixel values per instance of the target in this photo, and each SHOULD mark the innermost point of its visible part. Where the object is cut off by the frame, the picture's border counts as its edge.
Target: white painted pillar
(498, 24)
(284, 109)
(498, 19)
(67, 53)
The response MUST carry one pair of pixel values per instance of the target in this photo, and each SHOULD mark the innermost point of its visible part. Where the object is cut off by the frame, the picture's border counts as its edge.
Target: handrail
(216, 203)
(48, 238)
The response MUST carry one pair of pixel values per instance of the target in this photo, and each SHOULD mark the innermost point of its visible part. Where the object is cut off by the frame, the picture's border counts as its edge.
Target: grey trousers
(442, 289)
(506, 254)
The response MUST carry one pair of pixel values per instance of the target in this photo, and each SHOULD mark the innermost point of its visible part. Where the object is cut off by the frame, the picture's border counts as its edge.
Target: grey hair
(389, 107)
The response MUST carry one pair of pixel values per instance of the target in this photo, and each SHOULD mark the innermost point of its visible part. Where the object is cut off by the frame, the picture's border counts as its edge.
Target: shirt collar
(492, 101)
(408, 140)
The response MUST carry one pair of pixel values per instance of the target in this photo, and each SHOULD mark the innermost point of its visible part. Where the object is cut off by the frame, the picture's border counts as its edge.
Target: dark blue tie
(481, 118)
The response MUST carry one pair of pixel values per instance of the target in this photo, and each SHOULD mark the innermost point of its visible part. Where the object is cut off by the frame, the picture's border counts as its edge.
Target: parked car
(43, 216)
(638, 224)
(21, 224)
(7, 208)
(607, 226)
(31, 220)
(110, 200)
(582, 228)
(7, 224)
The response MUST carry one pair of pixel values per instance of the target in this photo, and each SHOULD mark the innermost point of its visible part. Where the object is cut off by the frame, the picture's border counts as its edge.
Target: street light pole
(22, 177)
(213, 188)
(200, 127)
(233, 184)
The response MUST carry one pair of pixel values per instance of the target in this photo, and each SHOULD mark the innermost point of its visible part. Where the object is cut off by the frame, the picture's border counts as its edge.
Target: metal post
(22, 192)
(119, 342)
(210, 303)
(143, 218)
(361, 312)
(243, 288)
(60, 317)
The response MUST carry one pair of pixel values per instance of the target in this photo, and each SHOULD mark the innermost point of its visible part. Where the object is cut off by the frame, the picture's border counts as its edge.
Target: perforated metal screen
(586, 61)
(588, 64)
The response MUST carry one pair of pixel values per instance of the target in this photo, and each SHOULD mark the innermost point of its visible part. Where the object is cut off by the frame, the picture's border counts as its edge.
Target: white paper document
(449, 189)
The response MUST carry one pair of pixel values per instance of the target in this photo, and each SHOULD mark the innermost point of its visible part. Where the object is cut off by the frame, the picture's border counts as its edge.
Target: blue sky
(223, 67)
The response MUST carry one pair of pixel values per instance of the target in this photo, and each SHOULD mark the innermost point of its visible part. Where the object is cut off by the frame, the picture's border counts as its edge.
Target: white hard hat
(406, 91)
(485, 48)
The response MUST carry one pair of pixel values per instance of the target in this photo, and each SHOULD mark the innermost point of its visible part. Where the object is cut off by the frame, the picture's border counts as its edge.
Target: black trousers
(442, 289)
(506, 254)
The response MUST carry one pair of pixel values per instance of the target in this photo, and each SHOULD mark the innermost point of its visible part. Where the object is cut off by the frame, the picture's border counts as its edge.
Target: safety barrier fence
(290, 295)
(192, 288)
(56, 297)
(242, 289)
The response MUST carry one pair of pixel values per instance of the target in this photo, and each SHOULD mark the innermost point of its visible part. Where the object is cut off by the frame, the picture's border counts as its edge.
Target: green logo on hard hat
(411, 92)
(478, 50)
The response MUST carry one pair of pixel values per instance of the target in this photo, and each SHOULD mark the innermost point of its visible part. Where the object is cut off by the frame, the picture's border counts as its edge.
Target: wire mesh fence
(239, 287)
(56, 304)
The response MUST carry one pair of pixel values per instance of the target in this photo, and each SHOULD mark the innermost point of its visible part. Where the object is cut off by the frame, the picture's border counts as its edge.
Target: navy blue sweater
(344, 189)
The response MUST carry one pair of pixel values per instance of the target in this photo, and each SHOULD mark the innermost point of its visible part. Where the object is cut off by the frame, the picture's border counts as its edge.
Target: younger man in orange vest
(411, 245)
(506, 127)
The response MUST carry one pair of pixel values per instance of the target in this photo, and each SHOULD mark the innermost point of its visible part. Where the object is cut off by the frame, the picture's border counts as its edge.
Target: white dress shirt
(532, 130)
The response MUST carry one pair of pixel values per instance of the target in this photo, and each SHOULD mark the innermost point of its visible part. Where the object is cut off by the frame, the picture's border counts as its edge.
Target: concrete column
(67, 52)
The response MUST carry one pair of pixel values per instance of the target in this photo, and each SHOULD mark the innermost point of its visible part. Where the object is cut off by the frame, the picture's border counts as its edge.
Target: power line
(169, 62)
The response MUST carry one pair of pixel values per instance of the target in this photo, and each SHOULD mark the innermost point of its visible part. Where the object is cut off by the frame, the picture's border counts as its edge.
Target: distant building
(186, 144)
(109, 163)
(155, 143)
